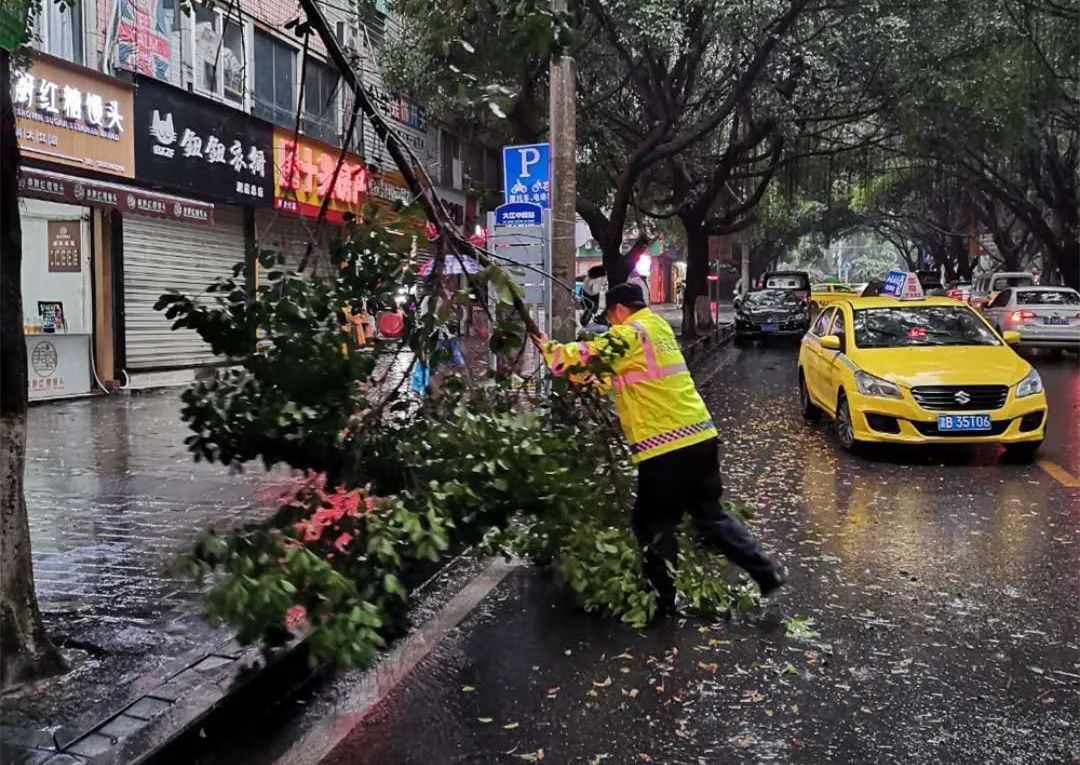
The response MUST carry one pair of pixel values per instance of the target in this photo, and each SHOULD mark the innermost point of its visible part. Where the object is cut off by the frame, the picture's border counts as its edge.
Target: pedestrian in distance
(591, 289)
(672, 439)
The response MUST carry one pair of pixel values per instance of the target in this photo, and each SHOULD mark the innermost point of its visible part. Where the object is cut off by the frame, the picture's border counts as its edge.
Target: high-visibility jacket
(658, 405)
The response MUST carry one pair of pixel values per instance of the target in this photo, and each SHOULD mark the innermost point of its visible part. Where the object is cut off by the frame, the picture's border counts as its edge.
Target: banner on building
(143, 44)
(57, 187)
(194, 145)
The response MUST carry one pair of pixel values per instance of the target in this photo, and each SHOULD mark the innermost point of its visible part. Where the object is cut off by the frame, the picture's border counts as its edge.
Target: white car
(1045, 317)
(986, 287)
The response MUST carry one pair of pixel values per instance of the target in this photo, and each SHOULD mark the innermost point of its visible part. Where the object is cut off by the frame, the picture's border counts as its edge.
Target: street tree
(26, 653)
(655, 80)
(988, 104)
(815, 102)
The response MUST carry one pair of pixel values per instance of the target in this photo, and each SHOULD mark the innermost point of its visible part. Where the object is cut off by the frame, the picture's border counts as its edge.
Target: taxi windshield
(920, 326)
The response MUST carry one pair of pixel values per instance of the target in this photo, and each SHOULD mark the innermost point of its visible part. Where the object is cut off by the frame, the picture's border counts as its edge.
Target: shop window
(219, 55)
(59, 30)
(320, 102)
(275, 80)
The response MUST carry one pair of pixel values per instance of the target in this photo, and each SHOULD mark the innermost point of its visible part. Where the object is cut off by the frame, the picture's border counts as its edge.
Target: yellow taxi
(927, 370)
(822, 295)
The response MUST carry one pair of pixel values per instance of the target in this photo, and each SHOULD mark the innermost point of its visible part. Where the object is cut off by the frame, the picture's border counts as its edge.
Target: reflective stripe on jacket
(658, 405)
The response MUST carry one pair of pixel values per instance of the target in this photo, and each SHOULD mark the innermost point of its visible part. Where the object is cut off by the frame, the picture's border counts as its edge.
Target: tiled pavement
(114, 500)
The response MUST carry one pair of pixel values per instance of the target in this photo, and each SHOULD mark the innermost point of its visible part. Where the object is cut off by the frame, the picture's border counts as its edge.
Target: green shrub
(393, 482)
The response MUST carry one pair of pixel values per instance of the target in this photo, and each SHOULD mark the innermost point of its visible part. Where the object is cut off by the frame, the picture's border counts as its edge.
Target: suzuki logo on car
(962, 397)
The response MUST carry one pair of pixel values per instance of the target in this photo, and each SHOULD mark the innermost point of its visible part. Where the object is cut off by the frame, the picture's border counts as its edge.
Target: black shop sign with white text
(192, 144)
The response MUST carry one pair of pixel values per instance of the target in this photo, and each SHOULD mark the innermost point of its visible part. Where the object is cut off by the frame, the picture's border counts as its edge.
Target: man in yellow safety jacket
(672, 440)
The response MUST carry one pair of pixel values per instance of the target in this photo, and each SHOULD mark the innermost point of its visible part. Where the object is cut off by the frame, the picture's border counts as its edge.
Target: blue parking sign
(527, 174)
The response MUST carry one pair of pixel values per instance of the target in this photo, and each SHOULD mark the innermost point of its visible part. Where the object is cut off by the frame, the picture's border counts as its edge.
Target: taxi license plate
(953, 423)
(1056, 321)
(770, 327)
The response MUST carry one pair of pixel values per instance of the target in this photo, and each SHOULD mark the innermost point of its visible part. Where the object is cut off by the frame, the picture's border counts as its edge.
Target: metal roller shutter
(160, 255)
(289, 235)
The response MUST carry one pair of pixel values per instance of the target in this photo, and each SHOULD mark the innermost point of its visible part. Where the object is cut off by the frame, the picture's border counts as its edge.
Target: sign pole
(564, 187)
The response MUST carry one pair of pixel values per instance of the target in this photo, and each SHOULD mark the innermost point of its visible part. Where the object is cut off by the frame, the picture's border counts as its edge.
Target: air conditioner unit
(459, 174)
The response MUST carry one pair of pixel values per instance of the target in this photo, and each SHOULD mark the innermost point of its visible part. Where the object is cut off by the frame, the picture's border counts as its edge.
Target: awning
(58, 187)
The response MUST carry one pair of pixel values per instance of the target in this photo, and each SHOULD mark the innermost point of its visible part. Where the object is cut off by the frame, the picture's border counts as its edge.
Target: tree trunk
(25, 650)
(615, 262)
(960, 257)
(1068, 262)
(697, 274)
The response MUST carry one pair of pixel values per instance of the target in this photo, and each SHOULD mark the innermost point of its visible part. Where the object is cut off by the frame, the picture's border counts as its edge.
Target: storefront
(213, 153)
(76, 121)
(303, 179)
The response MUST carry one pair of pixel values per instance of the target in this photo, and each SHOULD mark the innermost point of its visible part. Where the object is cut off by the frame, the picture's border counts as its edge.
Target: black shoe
(773, 581)
(665, 609)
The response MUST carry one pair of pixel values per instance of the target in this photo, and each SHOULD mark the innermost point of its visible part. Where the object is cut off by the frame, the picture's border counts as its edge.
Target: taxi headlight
(869, 385)
(1030, 385)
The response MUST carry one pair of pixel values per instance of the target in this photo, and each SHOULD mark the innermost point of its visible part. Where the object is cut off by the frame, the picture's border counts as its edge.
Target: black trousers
(688, 480)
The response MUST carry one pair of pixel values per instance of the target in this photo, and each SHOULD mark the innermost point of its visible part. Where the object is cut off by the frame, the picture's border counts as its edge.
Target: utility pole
(563, 122)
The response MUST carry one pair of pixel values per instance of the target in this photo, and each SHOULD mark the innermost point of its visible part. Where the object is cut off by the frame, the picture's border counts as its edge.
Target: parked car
(919, 372)
(796, 281)
(986, 286)
(822, 295)
(771, 313)
(1045, 317)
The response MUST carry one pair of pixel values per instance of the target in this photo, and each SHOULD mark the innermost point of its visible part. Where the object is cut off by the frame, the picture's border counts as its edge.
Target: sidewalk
(114, 500)
(672, 312)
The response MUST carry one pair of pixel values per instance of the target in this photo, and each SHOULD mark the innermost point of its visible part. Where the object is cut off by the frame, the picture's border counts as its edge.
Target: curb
(208, 688)
(197, 685)
(717, 337)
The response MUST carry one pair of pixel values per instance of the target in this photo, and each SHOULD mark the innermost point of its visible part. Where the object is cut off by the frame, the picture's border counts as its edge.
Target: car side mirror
(1010, 336)
(830, 343)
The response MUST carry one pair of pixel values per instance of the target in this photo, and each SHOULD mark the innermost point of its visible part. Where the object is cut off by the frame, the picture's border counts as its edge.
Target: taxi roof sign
(903, 285)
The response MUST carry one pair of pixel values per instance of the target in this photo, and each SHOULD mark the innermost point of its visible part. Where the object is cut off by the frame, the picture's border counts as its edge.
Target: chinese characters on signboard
(65, 246)
(190, 143)
(73, 116)
(44, 184)
(410, 115)
(304, 177)
(142, 37)
(398, 108)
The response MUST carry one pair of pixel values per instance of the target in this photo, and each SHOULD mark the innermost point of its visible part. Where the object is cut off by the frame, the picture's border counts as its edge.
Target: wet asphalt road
(944, 585)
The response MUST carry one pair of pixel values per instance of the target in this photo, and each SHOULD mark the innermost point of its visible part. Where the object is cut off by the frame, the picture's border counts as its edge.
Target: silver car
(1045, 317)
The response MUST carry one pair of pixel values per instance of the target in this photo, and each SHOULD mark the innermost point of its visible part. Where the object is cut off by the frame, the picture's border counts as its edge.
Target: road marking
(1060, 474)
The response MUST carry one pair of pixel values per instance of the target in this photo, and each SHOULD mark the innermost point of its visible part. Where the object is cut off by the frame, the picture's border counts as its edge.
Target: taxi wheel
(845, 428)
(809, 410)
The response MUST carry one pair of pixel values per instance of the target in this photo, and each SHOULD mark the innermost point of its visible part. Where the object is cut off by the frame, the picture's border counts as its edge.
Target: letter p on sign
(530, 156)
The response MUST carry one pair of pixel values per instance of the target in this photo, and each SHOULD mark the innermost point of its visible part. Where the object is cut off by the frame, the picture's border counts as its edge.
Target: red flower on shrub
(296, 618)
(332, 507)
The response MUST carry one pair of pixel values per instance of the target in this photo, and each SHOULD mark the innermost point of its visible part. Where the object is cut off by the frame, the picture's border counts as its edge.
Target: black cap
(624, 294)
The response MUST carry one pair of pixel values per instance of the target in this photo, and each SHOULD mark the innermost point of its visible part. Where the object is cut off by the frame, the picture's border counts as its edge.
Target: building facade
(162, 145)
